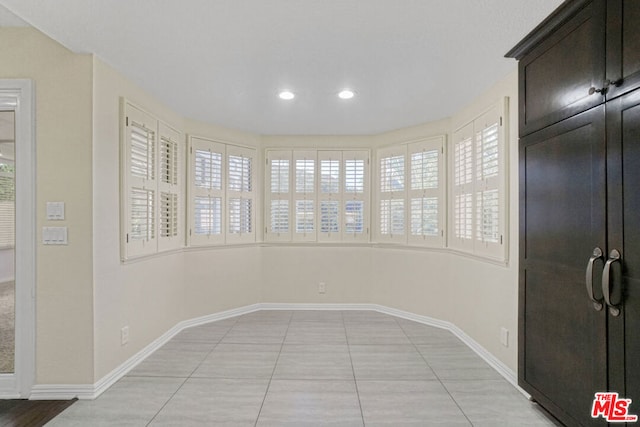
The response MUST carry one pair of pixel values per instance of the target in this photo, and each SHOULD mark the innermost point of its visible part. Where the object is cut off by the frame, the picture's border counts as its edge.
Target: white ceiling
(224, 61)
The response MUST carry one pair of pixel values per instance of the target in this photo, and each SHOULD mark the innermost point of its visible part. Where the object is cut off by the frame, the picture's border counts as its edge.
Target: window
(317, 195)
(478, 198)
(7, 202)
(169, 185)
(304, 196)
(221, 193)
(152, 198)
(279, 222)
(241, 198)
(392, 194)
(411, 193)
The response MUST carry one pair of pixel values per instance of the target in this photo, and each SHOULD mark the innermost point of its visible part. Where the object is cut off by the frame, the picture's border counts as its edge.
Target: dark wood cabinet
(623, 46)
(585, 53)
(579, 155)
(556, 76)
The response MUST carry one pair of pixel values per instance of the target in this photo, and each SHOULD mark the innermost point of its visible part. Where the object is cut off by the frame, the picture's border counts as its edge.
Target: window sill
(371, 245)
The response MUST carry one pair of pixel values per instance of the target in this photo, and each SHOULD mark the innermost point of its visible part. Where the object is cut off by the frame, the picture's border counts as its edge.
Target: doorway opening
(17, 238)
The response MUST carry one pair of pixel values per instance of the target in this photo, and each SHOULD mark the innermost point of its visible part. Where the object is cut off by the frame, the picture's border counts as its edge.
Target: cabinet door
(557, 75)
(623, 46)
(623, 169)
(562, 337)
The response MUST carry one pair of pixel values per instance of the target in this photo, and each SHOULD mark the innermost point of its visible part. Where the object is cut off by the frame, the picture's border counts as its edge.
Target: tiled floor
(296, 368)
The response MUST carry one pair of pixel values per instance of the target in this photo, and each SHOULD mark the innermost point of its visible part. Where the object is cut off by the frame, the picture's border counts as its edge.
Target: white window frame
(303, 193)
(271, 197)
(222, 193)
(386, 195)
(435, 146)
(246, 194)
(213, 149)
(173, 237)
(465, 234)
(356, 196)
(134, 117)
(341, 196)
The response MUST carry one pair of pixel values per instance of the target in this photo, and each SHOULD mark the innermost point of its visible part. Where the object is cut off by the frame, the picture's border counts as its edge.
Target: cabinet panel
(623, 45)
(562, 219)
(557, 75)
(623, 136)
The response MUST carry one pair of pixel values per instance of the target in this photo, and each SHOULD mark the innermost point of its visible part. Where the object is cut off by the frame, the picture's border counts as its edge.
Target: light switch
(55, 211)
(54, 235)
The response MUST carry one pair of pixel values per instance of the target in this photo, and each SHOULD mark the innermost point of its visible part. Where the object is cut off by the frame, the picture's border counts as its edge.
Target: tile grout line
(355, 381)
(192, 372)
(434, 372)
(274, 370)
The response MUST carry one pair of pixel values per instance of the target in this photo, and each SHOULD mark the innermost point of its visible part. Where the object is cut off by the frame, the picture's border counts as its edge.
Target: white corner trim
(92, 391)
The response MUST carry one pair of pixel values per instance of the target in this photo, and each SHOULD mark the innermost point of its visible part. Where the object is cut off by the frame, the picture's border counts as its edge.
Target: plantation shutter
(304, 196)
(279, 219)
(140, 204)
(489, 185)
(241, 199)
(425, 192)
(479, 200)
(330, 202)
(206, 192)
(355, 188)
(463, 182)
(169, 185)
(391, 194)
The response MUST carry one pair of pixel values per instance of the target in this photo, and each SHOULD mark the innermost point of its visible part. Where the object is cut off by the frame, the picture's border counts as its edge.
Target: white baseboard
(92, 391)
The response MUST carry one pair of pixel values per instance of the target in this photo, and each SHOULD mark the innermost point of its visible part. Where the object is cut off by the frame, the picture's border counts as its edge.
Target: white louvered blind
(206, 192)
(139, 201)
(152, 184)
(355, 214)
(489, 186)
(463, 188)
(317, 195)
(279, 223)
(478, 193)
(329, 195)
(392, 194)
(304, 197)
(426, 192)
(168, 214)
(7, 204)
(170, 186)
(240, 194)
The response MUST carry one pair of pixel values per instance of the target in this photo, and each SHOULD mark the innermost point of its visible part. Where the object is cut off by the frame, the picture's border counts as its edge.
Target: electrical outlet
(504, 337)
(322, 288)
(124, 335)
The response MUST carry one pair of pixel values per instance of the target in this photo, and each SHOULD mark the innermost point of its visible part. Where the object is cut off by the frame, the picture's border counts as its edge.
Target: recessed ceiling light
(287, 95)
(346, 94)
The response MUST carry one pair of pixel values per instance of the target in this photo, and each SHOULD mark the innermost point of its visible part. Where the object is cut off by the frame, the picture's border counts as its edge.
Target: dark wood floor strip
(30, 413)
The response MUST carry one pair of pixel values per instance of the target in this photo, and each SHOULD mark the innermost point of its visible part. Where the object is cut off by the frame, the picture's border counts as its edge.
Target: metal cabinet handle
(614, 256)
(604, 89)
(593, 90)
(597, 254)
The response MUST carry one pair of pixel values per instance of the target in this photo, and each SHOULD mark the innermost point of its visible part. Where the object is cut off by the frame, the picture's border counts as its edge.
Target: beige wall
(477, 296)
(152, 295)
(291, 274)
(146, 295)
(63, 92)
